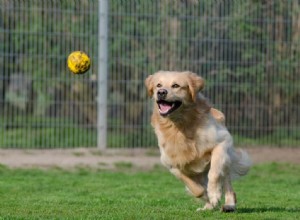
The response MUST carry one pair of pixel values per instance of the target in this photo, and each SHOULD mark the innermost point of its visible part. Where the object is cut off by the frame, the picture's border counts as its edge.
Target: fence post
(102, 75)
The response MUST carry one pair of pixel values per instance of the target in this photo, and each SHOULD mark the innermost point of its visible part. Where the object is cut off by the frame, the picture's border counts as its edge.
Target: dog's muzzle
(166, 107)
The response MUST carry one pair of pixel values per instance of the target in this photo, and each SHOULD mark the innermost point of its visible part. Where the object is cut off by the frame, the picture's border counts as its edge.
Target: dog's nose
(162, 93)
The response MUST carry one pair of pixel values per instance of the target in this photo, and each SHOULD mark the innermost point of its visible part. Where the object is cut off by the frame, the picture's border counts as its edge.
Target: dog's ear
(149, 85)
(196, 84)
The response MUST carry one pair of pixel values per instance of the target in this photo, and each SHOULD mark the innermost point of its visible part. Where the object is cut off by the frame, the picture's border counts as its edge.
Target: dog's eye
(158, 85)
(175, 86)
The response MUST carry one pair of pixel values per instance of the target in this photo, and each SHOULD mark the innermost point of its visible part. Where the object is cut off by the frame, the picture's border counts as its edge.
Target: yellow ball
(79, 62)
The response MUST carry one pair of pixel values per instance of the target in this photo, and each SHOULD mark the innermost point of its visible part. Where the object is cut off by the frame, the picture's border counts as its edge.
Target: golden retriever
(194, 143)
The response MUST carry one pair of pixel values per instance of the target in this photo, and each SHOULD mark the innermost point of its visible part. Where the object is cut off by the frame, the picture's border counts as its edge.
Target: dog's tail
(241, 163)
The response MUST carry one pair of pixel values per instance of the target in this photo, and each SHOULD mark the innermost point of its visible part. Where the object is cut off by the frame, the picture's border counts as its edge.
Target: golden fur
(194, 143)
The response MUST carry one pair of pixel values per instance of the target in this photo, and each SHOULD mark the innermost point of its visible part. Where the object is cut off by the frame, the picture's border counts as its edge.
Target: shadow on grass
(269, 209)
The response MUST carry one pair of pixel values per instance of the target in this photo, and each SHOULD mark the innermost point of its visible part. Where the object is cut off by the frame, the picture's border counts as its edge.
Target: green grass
(269, 192)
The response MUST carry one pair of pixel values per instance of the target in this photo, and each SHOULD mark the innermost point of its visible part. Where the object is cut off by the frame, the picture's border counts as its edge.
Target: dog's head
(171, 90)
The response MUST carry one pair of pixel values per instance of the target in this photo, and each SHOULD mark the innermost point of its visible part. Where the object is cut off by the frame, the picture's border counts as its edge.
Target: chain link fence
(248, 52)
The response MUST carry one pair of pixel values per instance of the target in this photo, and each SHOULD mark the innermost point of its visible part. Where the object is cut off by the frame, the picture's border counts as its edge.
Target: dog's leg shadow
(267, 209)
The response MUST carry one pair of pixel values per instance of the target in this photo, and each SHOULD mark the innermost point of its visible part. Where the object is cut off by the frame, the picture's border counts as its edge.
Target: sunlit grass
(270, 191)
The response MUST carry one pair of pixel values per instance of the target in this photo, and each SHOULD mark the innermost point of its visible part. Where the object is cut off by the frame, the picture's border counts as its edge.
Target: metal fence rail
(248, 52)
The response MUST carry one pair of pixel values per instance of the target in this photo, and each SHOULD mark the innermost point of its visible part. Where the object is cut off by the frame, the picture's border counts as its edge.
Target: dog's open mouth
(165, 108)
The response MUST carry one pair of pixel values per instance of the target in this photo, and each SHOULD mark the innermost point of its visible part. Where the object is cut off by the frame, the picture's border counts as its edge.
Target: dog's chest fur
(185, 149)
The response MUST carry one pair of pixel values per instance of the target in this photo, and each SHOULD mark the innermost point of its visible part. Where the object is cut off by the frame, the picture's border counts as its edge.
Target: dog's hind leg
(193, 187)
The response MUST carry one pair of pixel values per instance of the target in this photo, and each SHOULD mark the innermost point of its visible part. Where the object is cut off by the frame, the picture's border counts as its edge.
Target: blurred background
(248, 52)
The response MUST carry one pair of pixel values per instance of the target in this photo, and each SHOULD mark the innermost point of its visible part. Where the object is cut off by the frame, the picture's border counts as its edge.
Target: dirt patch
(81, 157)
(280, 155)
(117, 159)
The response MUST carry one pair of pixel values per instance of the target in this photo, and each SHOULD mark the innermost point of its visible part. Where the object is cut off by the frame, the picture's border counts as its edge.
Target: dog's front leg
(196, 189)
(219, 162)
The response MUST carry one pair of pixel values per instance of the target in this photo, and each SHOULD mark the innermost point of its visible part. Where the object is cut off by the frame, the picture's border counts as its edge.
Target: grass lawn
(270, 191)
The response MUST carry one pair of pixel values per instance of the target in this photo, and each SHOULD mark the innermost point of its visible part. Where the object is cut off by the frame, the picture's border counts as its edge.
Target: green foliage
(54, 137)
(270, 191)
(248, 52)
(133, 138)
(49, 132)
(34, 132)
(280, 138)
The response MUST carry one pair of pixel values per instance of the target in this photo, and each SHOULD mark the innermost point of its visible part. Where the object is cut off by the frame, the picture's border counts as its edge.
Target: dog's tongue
(164, 107)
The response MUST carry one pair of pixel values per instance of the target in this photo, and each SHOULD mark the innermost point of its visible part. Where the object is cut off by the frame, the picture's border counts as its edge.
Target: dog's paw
(228, 208)
(214, 198)
(175, 172)
(207, 206)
